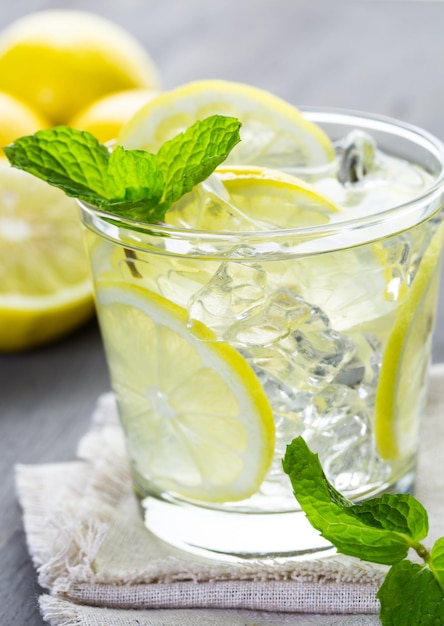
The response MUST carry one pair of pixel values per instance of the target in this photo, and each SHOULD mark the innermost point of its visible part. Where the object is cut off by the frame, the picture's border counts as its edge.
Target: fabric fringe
(58, 613)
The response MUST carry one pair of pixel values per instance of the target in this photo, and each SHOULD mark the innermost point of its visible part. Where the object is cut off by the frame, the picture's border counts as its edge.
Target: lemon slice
(45, 290)
(405, 359)
(273, 133)
(246, 198)
(196, 418)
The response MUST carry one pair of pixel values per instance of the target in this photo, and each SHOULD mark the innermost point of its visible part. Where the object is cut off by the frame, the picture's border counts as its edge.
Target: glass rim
(354, 118)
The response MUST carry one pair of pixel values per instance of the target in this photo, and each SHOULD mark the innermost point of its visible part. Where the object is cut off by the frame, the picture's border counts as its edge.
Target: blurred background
(381, 56)
(385, 56)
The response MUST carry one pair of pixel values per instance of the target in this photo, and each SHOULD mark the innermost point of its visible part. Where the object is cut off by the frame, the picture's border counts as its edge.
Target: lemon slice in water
(196, 418)
(405, 359)
(250, 199)
(274, 133)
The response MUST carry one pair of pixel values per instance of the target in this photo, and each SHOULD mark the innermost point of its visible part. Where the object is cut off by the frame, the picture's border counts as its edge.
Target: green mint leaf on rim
(380, 530)
(137, 184)
(130, 183)
(193, 155)
(72, 160)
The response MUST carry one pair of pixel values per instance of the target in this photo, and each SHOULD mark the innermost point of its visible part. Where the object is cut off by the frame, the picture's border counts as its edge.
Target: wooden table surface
(385, 57)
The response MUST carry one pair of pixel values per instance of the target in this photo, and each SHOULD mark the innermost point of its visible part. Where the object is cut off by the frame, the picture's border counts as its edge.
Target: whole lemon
(59, 61)
(105, 117)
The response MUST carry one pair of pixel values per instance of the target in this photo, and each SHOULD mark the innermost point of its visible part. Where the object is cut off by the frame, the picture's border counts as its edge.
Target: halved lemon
(45, 289)
(196, 418)
(274, 133)
(246, 198)
(405, 359)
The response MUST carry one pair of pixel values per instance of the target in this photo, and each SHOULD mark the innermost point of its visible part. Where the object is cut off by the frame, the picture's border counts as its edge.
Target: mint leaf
(137, 184)
(192, 156)
(411, 595)
(399, 513)
(74, 161)
(381, 530)
(131, 183)
(436, 561)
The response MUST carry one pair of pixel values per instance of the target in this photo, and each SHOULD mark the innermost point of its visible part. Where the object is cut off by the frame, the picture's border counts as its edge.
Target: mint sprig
(380, 530)
(132, 183)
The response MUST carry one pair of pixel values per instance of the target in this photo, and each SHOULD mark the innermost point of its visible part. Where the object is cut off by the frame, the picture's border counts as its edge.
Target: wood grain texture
(385, 57)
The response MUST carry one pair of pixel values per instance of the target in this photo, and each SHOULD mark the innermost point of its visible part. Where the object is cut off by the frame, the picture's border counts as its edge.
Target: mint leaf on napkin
(132, 183)
(380, 530)
(410, 594)
(437, 561)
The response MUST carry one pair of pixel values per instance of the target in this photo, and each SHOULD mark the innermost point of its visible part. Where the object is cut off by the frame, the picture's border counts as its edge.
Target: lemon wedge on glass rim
(405, 358)
(45, 287)
(197, 420)
(274, 133)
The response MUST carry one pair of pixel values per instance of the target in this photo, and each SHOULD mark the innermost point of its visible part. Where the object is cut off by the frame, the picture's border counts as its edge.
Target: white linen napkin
(101, 566)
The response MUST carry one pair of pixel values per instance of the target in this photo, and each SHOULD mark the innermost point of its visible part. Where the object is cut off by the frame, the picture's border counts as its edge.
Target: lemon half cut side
(405, 359)
(274, 133)
(196, 418)
(45, 286)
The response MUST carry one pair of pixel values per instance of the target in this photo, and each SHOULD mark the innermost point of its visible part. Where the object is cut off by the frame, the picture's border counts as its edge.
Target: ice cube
(357, 157)
(208, 207)
(282, 312)
(320, 353)
(352, 374)
(235, 292)
(292, 340)
(339, 428)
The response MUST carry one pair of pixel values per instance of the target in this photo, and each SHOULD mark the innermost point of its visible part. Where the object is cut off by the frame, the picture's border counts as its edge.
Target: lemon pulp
(196, 418)
(45, 289)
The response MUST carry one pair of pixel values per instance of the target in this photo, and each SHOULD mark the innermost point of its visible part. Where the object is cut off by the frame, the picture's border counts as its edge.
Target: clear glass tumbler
(224, 346)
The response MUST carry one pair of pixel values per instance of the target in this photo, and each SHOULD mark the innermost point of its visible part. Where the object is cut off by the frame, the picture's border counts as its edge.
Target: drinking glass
(224, 346)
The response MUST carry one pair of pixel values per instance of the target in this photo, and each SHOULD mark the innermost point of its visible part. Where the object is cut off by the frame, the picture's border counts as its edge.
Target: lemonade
(291, 292)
